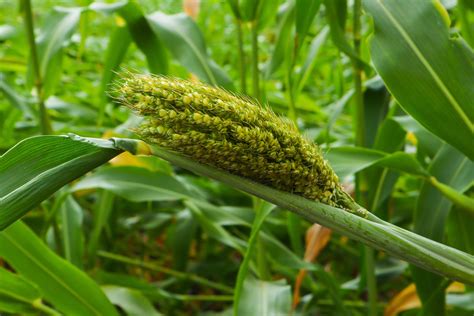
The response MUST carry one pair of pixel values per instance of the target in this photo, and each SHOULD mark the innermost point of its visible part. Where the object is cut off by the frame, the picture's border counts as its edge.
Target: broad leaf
(17, 295)
(429, 72)
(38, 166)
(69, 289)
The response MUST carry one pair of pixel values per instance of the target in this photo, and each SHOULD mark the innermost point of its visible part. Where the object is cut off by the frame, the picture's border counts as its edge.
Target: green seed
(233, 133)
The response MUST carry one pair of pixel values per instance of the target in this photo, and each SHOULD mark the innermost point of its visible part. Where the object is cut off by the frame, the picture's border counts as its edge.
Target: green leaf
(117, 47)
(432, 208)
(37, 167)
(311, 59)
(306, 10)
(185, 41)
(133, 302)
(336, 15)
(250, 9)
(215, 230)
(147, 41)
(15, 99)
(350, 160)
(101, 220)
(69, 289)
(374, 232)
(262, 298)
(234, 6)
(453, 169)
(71, 220)
(427, 143)
(59, 27)
(459, 230)
(281, 255)
(376, 103)
(135, 184)
(18, 292)
(283, 44)
(263, 209)
(390, 137)
(427, 71)
(181, 237)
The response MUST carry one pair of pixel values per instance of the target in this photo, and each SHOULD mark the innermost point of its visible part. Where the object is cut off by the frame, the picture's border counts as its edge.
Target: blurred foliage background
(161, 240)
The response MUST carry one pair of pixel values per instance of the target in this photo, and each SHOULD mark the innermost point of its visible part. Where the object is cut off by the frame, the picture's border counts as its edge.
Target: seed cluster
(230, 132)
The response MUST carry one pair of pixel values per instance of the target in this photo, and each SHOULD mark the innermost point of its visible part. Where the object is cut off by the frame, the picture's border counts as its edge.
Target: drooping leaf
(37, 167)
(336, 15)
(185, 41)
(147, 41)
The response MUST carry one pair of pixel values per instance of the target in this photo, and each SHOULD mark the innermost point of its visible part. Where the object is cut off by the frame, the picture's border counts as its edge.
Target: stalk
(29, 25)
(38, 304)
(242, 63)
(176, 274)
(361, 181)
(370, 230)
(255, 72)
(238, 142)
(251, 244)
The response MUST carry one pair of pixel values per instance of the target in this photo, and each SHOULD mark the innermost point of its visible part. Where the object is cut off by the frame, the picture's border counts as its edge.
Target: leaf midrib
(457, 108)
(52, 275)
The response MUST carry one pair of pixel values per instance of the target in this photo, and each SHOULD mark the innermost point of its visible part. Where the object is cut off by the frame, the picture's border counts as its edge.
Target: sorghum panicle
(230, 132)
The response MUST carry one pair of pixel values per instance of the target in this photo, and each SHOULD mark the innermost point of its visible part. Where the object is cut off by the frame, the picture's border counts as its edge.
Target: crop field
(237, 157)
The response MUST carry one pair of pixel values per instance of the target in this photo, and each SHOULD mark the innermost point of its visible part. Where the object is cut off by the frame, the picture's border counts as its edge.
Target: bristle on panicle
(233, 133)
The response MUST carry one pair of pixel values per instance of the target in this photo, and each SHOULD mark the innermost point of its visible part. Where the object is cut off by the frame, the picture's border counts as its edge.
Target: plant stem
(202, 298)
(243, 66)
(291, 98)
(38, 304)
(255, 73)
(177, 274)
(361, 181)
(44, 117)
(244, 266)
(357, 70)
(371, 230)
